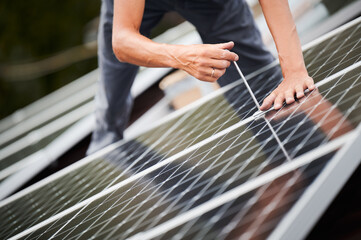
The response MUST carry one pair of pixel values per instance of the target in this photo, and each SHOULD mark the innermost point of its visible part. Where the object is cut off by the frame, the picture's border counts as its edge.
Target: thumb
(228, 45)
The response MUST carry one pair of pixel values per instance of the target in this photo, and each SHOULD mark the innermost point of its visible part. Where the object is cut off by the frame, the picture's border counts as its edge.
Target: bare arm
(132, 47)
(283, 30)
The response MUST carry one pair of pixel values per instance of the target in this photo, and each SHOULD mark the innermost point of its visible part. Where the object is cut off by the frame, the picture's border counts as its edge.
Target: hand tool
(261, 113)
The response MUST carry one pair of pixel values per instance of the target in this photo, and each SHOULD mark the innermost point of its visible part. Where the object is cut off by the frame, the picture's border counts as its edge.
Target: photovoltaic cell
(243, 153)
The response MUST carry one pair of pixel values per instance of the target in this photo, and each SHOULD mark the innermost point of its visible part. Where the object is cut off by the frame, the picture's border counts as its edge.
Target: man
(224, 25)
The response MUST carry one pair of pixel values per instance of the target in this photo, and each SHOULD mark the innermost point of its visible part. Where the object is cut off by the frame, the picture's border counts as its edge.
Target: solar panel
(185, 163)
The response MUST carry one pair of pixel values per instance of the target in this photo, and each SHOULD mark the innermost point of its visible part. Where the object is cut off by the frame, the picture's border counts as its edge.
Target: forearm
(283, 30)
(207, 62)
(132, 47)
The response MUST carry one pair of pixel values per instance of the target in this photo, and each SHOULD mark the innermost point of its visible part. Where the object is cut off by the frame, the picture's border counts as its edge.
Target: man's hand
(290, 87)
(206, 62)
(296, 80)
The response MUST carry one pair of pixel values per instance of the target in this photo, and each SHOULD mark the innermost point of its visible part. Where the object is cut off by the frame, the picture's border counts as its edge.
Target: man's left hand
(290, 87)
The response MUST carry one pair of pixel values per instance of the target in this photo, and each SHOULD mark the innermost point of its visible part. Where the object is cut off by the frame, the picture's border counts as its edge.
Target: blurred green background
(45, 45)
(43, 34)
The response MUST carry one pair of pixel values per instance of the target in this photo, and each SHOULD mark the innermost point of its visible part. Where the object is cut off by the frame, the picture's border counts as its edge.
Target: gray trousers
(217, 21)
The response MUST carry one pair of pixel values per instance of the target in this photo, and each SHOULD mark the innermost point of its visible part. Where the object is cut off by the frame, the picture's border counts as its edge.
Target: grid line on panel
(30, 218)
(330, 44)
(183, 232)
(266, 211)
(324, 190)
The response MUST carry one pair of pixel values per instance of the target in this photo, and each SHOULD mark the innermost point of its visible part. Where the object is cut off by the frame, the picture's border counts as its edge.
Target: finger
(299, 91)
(268, 101)
(279, 101)
(204, 77)
(219, 73)
(208, 75)
(223, 55)
(289, 95)
(220, 64)
(208, 79)
(227, 45)
(206, 72)
(310, 85)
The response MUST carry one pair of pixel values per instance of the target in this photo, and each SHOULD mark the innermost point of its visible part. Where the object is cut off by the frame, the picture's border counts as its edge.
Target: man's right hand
(206, 62)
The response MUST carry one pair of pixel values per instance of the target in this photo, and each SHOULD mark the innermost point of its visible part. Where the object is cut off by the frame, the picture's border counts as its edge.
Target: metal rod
(258, 106)
(246, 83)
(278, 140)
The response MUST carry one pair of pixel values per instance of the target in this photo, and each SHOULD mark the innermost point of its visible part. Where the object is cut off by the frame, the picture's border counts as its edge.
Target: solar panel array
(212, 171)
